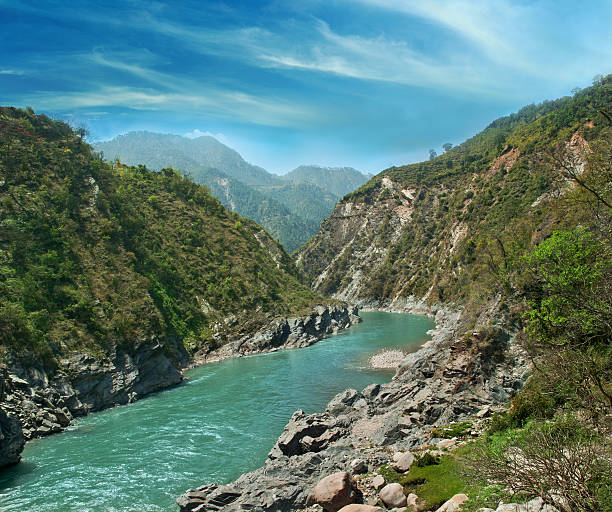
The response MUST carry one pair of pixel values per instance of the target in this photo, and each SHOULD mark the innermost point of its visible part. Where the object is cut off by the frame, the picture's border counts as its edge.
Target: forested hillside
(94, 254)
(337, 180)
(450, 228)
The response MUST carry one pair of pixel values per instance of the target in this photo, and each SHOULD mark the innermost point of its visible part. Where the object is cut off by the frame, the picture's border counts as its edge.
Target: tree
(447, 146)
(432, 154)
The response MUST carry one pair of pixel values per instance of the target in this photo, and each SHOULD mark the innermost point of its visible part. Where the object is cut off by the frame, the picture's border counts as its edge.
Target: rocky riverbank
(286, 333)
(35, 403)
(451, 378)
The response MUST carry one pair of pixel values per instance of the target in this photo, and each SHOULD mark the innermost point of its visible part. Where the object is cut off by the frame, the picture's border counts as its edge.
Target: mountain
(283, 223)
(157, 150)
(507, 241)
(290, 208)
(337, 180)
(442, 229)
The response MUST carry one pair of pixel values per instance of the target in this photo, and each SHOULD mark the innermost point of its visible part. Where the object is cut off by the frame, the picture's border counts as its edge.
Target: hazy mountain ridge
(290, 207)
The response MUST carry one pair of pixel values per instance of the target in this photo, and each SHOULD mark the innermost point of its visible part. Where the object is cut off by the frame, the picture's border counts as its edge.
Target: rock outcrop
(286, 333)
(44, 404)
(441, 383)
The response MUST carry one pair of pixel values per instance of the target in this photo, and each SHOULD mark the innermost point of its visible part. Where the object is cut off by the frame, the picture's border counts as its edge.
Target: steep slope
(337, 180)
(113, 277)
(507, 240)
(447, 229)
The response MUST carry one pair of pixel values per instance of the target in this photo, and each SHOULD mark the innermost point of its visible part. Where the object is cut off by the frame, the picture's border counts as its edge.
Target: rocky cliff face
(286, 333)
(441, 383)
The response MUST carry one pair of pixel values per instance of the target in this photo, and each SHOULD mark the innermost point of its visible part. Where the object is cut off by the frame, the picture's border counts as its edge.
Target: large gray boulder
(335, 491)
(392, 495)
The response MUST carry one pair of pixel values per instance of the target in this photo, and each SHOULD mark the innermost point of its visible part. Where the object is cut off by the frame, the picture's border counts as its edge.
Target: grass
(437, 483)
(459, 429)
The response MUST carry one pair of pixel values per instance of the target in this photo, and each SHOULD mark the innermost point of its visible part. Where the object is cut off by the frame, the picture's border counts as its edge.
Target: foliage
(475, 210)
(94, 254)
(563, 461)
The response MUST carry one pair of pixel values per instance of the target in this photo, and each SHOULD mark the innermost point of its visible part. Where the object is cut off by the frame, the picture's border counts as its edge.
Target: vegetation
(94, 254)
(474, 210)
(338, 181)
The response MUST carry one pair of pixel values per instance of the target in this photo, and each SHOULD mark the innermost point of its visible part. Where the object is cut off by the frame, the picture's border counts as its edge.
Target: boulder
(378, 481)
(454, 504)
(411, 500)
(336, 491)
(299, 428)
(392, 495)
(447, 443)
(404, 463)
(356, 507)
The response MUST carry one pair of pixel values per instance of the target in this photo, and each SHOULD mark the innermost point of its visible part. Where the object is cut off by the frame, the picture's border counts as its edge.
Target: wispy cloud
(15, 72)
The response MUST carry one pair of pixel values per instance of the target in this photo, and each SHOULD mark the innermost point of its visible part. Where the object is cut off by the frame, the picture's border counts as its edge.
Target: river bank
(443, 382)
(36, 404)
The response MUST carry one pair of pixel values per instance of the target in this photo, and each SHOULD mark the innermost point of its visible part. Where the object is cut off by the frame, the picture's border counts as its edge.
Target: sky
(361, 83)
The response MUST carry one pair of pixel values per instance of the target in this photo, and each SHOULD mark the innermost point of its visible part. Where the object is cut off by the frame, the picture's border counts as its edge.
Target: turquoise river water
(220, 423)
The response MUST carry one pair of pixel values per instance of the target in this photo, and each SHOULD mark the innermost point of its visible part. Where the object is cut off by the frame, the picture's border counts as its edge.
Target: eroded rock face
(44, 404)
(11, 440)
(287, 333)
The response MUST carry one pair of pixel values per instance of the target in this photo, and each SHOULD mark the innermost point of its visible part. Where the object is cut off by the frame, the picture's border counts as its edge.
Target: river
(217, 425)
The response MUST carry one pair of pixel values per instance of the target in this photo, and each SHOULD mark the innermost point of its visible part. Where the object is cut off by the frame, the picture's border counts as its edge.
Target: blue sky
(365, 83)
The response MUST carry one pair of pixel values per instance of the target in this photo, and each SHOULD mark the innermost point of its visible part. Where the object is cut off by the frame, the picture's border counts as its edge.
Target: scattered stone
(358, 466)
(19, 382)
(378, 482)
(397, 456)
(336, 491)
(447, 443)
(411, 500)
(454, 504)
(392, 495)
(404, 463)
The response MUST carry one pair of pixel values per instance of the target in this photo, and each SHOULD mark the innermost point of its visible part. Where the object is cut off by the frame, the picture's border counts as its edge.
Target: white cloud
(204, 101)
(16, 72)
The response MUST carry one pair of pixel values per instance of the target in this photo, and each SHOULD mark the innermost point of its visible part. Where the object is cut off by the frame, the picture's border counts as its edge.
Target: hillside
(337, 180)
(95, 254)
(158, 150)
(281, 222)
(447, 229)
(290, 209)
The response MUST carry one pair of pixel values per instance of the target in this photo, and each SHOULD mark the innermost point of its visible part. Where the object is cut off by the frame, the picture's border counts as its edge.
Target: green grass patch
(459, 429)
